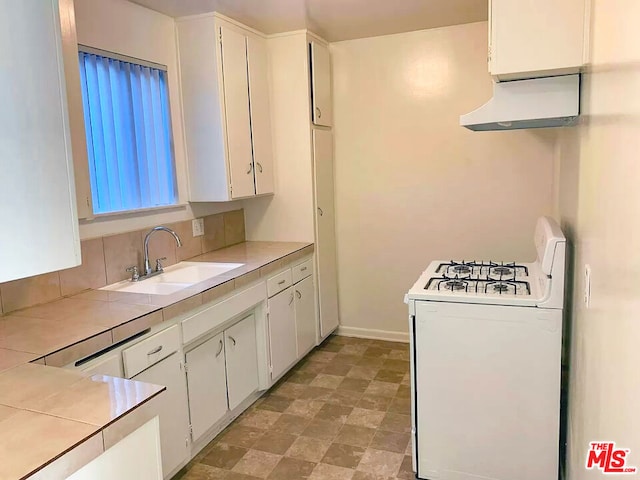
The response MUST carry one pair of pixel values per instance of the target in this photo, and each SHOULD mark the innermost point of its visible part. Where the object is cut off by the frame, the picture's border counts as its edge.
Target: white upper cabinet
(236, 101)
(225, 92)
(37, 200)
(257, 59)
(536, 38)
(322, 108)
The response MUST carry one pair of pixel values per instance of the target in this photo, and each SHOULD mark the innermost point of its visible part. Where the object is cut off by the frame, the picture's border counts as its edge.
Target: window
(128, 127)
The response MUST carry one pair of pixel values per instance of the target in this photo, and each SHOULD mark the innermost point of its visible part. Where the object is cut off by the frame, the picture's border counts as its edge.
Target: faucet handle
(135, 275)
(159, 261)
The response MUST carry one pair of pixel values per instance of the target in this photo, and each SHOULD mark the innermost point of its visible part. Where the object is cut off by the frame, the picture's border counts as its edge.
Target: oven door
(487, 391)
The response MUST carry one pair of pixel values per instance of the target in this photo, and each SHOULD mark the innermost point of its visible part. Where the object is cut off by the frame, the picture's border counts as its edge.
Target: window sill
(133, 213)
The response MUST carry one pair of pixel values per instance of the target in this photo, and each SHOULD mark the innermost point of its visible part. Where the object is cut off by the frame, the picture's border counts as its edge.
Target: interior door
(282, 332)
(305, 315)
(172, 410)
(325, 231)
(207, 385)
(321, 85)
(242, 360)
(236, 99)
(257, 58)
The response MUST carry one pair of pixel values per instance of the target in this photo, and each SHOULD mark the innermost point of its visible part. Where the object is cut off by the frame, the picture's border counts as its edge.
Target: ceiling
(334, 20)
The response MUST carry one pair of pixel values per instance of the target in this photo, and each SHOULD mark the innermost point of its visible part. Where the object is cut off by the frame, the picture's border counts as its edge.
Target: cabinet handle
(233, 340)
(303, 269)
(281, 282)
(318, 113)
(259, 167)
(291, 300)
(320, 211)
(220, 349)
(155, 350)
(250, 168)
(298, 294)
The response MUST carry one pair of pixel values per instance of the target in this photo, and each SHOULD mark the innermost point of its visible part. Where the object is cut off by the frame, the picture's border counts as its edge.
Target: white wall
(129, 29)
(411, 184)
(600, 209)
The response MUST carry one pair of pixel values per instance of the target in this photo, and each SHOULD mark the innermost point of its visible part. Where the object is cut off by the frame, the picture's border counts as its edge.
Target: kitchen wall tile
(234, 227)
(191, 246)
(105, 260)
(120, 252)
(161, 245)
(30, 291)
(91, 274)
(213, 238)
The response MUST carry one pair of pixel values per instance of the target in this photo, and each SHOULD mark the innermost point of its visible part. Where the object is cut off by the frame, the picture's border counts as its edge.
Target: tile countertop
(69, 408)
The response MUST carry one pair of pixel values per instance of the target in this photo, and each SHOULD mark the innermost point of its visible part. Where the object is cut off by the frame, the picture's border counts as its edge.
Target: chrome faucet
(147, 265)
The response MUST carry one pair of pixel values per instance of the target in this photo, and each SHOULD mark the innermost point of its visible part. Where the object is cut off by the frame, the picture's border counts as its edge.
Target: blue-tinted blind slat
(128, 125)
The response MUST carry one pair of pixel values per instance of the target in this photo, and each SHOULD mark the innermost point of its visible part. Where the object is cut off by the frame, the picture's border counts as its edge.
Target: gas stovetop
(481, 278)
(498, 270)
(536, 284)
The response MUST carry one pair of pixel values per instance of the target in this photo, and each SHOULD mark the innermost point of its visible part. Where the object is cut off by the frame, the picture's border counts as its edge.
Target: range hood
(536, 103)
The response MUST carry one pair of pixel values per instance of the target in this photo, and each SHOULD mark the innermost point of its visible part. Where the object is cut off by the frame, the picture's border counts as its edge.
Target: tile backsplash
(105, 259)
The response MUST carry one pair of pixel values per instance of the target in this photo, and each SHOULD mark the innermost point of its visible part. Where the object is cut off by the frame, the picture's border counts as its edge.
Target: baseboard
(373, 334)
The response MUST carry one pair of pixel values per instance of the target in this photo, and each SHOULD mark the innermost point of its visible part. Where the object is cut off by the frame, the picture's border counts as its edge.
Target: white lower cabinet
(207, 385)
(242, 360)
(282, 332)
(172, 410)
(221, 373)
(305, 315)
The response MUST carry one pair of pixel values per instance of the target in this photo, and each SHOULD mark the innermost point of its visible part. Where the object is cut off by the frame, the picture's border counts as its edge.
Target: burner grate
(495, 269)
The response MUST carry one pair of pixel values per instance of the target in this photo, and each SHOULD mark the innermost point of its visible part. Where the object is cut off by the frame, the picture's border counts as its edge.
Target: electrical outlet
(587, 286)
(198, 227)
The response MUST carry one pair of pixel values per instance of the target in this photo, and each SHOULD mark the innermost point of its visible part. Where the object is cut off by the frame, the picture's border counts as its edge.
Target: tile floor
(342, 414)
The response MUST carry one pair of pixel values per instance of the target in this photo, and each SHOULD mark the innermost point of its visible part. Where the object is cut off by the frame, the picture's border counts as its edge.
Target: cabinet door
(242, 360)
(305, 315)
(236, 99)
(325, 231)
(282, 332)
(36, 163)
(257, 57)
(172, 411)
(530, 38)
(321, 85)
(207, 385)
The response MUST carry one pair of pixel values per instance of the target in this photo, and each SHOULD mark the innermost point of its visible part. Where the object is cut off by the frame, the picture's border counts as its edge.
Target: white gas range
(486, 341)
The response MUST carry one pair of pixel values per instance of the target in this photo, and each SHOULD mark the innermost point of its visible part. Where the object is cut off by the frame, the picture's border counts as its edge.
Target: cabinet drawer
(302, 270)
(279, 282)
(149, 351)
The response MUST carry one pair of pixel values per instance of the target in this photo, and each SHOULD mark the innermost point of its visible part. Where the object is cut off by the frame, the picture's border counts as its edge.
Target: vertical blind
(129, 143)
